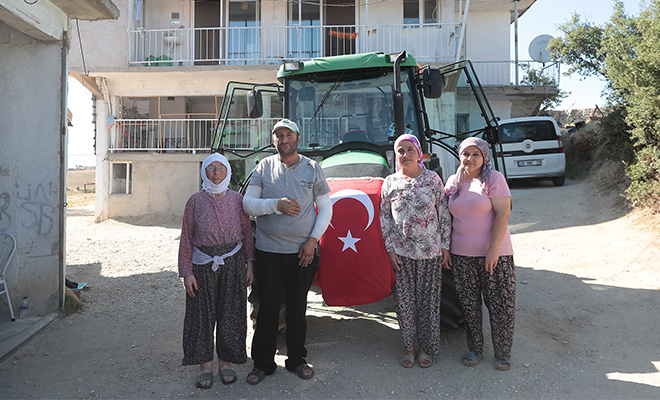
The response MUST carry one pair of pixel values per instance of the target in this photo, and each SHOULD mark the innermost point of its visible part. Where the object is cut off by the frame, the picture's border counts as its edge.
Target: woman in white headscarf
(216, 256)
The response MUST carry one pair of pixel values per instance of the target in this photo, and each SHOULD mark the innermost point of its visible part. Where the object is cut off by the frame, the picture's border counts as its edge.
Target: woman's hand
(491, 260)
(394, 260)
(446, 259)
(250, 272)
(191, 285)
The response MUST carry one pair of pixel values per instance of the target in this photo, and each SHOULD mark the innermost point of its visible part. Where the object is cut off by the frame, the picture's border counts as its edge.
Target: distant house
(159, 73)
(34, 43)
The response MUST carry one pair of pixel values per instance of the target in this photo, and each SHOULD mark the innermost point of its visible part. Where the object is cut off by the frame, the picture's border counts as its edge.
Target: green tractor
(350, 109)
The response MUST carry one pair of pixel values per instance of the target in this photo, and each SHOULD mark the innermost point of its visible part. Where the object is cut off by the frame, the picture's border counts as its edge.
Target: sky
(542, 18)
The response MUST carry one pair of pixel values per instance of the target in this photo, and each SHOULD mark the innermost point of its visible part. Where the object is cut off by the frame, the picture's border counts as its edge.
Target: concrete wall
(488, 36)
(31, 174)
(105, 44)
(161, 184)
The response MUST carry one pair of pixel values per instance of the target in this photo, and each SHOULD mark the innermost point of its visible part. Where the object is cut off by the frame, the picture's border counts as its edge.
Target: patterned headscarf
(209, 186)
(415, 141)
(483, 177)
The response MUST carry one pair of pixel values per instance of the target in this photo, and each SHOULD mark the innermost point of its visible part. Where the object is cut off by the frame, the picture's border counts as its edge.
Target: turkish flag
(353, 265)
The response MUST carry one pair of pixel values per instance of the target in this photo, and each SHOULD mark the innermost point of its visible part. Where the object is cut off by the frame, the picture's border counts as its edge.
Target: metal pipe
(397, 97)
(461, 48)
(515, 35)
(61, 218)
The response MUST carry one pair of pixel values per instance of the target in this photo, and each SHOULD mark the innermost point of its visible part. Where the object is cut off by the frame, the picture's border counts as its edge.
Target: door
(304, 40)
(340, 36)
(208, 14)
(243, 39)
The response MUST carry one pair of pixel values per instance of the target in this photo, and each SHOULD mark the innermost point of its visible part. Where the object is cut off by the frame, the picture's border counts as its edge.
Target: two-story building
(159, 72)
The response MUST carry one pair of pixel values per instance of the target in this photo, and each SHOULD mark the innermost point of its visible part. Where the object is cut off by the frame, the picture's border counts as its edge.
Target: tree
(539, 78)
(624, 52)
(580, 48)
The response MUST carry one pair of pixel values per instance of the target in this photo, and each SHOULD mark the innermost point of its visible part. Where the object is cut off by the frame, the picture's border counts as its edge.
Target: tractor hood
(352, 164)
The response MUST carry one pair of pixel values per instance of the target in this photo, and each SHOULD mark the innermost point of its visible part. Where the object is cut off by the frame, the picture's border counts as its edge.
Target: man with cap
(282, 194)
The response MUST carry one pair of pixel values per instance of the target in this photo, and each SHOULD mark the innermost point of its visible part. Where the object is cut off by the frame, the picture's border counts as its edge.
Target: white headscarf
(209, 186)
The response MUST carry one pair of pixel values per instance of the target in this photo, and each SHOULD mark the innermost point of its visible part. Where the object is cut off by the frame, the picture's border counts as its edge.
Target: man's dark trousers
(276, 274)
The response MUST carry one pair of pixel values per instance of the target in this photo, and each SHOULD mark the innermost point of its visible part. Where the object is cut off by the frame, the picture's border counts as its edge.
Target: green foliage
(625, 52)
(615, 141)
(539, 78)
(580, 48)
(644, 190)
(581, 148)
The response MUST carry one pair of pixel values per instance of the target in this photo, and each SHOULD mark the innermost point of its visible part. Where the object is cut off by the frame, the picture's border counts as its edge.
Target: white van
(532, 148)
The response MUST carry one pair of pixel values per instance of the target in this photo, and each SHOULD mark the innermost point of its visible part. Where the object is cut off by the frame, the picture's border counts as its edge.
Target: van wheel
(559, 180)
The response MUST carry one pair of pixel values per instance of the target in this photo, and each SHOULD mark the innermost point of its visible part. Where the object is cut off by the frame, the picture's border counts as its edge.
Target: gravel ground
(586, 324)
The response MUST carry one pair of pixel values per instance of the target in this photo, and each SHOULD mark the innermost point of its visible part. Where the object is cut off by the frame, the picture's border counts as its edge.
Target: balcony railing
(530, 73)
(186, 135)
(271, 45)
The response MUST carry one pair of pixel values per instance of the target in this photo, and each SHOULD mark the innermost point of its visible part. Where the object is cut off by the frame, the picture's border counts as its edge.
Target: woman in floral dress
(216, 256)
(416, 229)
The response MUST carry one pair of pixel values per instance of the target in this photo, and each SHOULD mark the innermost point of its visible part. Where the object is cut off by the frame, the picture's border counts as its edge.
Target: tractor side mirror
(254, 103)
(492, 135)
(432, 80)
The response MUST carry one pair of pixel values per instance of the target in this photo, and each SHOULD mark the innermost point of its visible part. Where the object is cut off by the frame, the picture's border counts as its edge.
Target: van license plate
(530, 163)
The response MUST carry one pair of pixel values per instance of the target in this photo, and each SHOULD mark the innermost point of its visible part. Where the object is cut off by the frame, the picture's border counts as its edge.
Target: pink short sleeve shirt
(473, 215)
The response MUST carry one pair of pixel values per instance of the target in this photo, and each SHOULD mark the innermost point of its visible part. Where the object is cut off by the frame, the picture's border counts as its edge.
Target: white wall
(488, 36)
(161, 184)
(105, 43)
(31, 174)
(387, 12)
(501, 108)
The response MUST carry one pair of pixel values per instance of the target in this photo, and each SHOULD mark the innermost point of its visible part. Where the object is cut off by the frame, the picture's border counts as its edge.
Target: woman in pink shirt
(481, 252)
(216, 256)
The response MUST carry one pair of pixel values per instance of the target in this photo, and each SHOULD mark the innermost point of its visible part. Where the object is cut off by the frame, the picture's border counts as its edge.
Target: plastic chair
(7, 249)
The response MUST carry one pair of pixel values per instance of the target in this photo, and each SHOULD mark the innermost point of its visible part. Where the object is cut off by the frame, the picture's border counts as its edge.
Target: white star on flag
(349, 241)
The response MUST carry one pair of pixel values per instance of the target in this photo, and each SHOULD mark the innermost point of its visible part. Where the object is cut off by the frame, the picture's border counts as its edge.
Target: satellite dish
(538, 48)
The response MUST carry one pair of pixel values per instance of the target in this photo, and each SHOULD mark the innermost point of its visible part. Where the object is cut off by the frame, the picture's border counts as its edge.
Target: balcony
(185, 135)
(529, 73)
(271, 45)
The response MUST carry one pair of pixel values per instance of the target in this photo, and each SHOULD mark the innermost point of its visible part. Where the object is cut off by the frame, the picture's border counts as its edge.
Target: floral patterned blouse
(414, 216)
(208, 221)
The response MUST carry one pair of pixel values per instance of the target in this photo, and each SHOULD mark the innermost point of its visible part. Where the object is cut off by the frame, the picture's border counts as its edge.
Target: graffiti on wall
(5, 217)
(38, 205)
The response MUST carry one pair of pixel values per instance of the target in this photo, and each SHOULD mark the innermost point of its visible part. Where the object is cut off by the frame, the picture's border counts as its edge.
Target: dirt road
(586, 325)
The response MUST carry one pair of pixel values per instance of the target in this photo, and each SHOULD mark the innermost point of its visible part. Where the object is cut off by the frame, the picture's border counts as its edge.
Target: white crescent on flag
(358, 195)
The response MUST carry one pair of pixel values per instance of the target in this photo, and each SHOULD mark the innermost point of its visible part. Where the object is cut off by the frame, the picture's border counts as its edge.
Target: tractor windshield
(348, 106)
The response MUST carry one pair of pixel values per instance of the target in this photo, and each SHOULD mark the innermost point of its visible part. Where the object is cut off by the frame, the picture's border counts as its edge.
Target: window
(244, 39)
(462, 124)
(122, 178)
(304, 42)
(412, 14)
